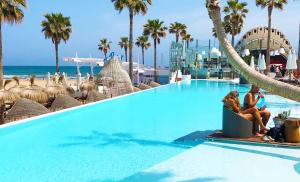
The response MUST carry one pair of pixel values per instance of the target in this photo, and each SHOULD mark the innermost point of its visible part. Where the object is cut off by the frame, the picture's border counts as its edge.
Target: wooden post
(2, 110)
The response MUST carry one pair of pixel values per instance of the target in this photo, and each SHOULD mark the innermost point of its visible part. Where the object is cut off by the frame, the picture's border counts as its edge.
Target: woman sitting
(232, 102)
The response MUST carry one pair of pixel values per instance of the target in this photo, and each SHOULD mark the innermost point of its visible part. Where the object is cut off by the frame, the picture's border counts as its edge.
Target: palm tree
(188, 38)
(156, 30)
(10, 12)
(226, 25)
(134, 7)
(236, 12)
(260, 80)
(124, 44)
(57, 28)
(143, 42)
(178, 29)
(104, 46)
(270, 4)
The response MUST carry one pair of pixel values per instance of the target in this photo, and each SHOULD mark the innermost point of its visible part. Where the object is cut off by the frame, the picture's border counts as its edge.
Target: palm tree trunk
(143, 55)
(105, 57)
(130, 45)
(232, 35)
(299, 52)
(126, 55)
(260, 80)
(56, 56)
(177, 38)
(1, 58)
(270, 9)
(155, 73)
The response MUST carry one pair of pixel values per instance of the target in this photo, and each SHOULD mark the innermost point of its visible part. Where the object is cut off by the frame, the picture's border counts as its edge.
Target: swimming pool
(113, 140)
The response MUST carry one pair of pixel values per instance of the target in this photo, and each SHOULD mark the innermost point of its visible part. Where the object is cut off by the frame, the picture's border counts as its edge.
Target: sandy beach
(39, 82)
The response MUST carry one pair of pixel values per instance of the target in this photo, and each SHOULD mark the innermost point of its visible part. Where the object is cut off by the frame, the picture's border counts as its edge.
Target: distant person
(250, 103)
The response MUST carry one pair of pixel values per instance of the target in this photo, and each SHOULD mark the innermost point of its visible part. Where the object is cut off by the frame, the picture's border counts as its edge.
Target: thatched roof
(25, 108)
(154, 84)
(136, 89)
(115, 78)
(64, 102)
(8, 96)
(143, 86)
(94, 96)
(34, 93)
(87, 86)
(18, 89)
(55, 90)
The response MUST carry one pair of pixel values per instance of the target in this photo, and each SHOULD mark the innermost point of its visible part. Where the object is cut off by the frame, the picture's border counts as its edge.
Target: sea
(70, 71)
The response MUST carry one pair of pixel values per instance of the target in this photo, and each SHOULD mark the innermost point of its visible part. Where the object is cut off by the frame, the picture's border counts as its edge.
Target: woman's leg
(255, 112)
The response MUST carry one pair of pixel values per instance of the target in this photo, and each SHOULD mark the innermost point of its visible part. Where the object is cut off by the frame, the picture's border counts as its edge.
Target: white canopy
(262, 63)
(252, 64)
(291, 61)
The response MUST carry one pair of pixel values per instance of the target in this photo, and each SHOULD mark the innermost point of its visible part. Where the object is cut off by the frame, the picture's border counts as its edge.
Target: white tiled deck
(212, 161)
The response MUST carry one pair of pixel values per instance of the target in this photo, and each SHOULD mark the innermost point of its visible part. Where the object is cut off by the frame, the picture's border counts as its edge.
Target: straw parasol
(87, 86)
(143, 86)
(8, 96)
(94, 96)
(25, 108)
(34, 92)
(64, 102)
(136, 89)
(154, 84)
(115, 78)
(55, 90)
(17, 89)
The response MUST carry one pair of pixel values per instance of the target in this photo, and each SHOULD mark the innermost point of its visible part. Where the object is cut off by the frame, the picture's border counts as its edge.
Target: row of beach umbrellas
(261, 63)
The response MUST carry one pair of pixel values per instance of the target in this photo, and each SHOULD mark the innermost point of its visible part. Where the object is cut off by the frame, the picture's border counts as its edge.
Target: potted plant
(281, 117)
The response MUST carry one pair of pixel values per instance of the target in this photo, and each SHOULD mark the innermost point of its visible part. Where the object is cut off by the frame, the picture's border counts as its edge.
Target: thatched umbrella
(64, 102)
(8, 96)
(55, 90)
(17, 89)
(154, 84)
(34, 92)
(136, 89)
(143, 86)
(87, 86)
(25, 108)
(94, 96)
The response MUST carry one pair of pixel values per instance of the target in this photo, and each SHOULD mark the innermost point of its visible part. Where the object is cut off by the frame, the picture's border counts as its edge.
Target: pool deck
(227, 162)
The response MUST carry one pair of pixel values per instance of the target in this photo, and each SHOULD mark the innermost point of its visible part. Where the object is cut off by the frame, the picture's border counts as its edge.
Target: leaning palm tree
(104, 46)
(270, 4)
(10, 12)
(156, 30)
(226, 25)
(57, 28)
(124, 44)
(178, 29)
(262, 81)
(134, 7)
(235, 13)
(144, 44)
(188, 38)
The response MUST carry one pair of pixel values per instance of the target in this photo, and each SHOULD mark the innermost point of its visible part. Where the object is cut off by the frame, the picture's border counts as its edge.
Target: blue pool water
(113, 140)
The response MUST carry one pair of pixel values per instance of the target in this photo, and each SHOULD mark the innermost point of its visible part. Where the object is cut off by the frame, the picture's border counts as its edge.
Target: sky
(92, 20)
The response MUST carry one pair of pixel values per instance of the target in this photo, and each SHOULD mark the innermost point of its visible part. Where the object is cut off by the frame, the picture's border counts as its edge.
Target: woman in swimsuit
(232, 101)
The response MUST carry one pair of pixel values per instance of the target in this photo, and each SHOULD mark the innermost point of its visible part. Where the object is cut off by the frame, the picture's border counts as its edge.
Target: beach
(39, 82)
